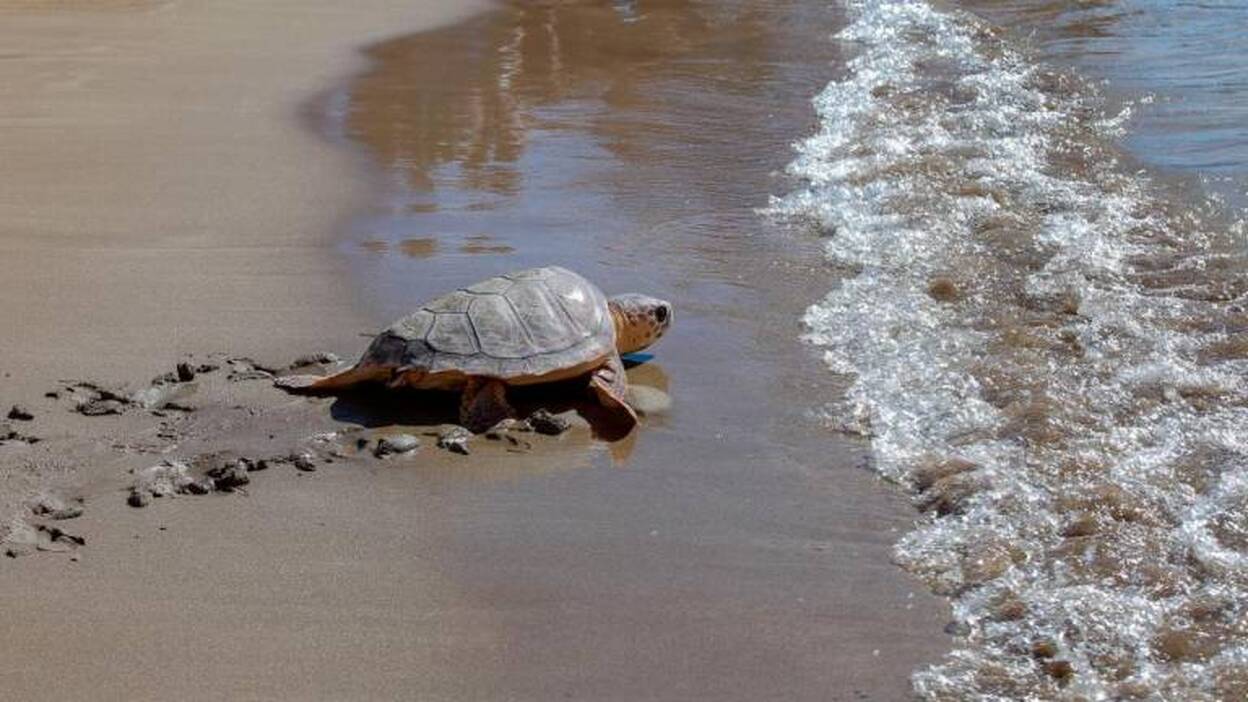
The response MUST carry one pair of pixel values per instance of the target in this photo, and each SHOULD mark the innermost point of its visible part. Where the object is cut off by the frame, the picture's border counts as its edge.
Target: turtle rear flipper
(325, 385)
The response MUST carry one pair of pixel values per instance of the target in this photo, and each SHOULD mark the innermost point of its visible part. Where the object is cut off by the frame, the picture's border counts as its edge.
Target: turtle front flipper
(326, 385)
(483, 404)
(609, 385)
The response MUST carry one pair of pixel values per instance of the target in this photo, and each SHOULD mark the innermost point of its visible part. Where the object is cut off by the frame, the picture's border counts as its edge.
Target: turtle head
(639, 320)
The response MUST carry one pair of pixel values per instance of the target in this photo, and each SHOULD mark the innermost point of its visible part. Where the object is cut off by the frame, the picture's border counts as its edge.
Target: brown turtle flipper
(483, 404)
(609, 386)
(406, 377)
(325, 385)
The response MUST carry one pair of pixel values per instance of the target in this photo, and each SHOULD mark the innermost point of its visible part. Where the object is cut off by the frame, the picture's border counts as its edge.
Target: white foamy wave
(1049, 356)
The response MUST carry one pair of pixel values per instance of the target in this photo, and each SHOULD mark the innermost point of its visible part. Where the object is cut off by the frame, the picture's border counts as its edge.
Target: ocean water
(1036, 210)
(1180, 65)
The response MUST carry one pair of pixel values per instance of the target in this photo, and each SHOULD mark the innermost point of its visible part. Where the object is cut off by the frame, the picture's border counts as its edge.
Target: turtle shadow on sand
(375, 406)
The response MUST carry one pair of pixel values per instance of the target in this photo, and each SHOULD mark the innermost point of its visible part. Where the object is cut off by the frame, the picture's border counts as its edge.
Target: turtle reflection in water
(540, 325)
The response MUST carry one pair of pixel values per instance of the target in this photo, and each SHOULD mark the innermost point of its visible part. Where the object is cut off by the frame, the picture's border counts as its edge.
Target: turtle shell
(528, 323)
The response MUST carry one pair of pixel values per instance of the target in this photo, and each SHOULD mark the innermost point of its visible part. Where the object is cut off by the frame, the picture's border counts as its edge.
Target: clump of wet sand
(216, 426)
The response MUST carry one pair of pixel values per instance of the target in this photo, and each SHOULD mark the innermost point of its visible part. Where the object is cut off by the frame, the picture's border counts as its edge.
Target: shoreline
(532, 147)
(730, 550)
(1021, 286)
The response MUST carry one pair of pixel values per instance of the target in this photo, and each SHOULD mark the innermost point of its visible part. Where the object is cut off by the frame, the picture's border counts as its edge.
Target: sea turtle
(533, 326)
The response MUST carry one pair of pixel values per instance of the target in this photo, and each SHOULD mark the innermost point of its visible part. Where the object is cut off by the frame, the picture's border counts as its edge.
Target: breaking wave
(1048, 351)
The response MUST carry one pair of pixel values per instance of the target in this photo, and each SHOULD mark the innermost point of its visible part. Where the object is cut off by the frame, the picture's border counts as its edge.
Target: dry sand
(158, 197)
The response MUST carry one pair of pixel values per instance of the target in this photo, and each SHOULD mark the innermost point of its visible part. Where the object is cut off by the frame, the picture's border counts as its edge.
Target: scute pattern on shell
(527, 323)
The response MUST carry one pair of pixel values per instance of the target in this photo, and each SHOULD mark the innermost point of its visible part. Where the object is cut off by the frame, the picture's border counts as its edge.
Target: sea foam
(1047, 352)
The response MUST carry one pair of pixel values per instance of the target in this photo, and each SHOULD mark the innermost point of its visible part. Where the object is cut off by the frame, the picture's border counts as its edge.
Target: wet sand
(733, 548)
(739, 537)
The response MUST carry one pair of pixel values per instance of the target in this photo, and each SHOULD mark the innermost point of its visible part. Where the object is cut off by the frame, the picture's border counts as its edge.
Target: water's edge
(514, 165)
(1046, 353)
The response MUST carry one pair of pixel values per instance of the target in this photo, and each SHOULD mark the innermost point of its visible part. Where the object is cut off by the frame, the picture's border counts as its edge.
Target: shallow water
(1045, 345)
(732, 548)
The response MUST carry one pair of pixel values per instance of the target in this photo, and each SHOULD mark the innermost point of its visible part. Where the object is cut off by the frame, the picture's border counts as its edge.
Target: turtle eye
(660, 313)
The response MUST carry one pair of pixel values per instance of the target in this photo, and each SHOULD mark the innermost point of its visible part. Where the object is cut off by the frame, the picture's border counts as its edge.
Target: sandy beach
(158, 196)
(222, 180)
